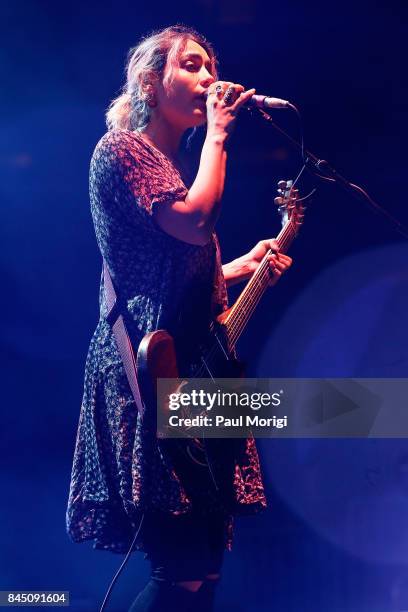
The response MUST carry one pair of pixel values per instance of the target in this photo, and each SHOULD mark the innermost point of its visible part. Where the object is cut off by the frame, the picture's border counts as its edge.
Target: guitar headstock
(290, 207)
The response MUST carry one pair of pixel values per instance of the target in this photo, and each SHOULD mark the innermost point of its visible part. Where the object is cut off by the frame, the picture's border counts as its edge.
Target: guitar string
(287, 234)
(249, 303)
(213, 350)
(241, 322)
(241, 318)
(234, 330)
(252, 299)
(246, 306)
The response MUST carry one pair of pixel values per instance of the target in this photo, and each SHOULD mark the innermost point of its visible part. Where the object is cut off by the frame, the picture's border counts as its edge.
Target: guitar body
(156, 358)
(202, 464)
(161, 356)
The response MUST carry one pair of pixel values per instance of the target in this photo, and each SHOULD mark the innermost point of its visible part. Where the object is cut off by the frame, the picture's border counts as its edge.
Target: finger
(243, 98)
(285, 259)
(228, 84)
(274, 260)
(218, 88)
(273, 245)
(275, 264)
(232, 93)
(230, 96)
(279, 261)
(278, 264)
(221, 84)
(264, 244)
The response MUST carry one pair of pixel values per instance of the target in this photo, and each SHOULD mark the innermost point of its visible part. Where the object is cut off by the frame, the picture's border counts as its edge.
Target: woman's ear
(149, 94)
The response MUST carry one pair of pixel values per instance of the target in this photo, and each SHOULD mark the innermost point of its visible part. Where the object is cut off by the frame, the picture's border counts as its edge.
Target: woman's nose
(206, 78)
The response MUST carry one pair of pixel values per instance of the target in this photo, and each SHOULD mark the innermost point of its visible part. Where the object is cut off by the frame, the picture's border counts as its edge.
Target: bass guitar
(202, 463)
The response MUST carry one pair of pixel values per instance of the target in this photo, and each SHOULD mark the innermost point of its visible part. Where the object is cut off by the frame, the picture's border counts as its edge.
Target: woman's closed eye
(191, 66)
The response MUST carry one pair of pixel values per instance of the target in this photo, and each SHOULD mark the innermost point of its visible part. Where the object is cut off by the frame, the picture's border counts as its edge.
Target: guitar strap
(116, 321)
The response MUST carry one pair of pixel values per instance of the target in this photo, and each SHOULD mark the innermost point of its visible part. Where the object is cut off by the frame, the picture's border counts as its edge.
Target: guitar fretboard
(241, 312)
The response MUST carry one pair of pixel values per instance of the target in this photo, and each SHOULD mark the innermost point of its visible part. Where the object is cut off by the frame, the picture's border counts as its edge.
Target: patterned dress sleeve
(128, 179)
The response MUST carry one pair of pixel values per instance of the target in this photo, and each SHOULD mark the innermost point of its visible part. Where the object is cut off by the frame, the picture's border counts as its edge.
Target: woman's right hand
(221, 112)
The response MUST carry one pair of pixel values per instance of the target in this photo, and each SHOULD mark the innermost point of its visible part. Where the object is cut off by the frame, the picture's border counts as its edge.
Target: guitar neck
(237, 317)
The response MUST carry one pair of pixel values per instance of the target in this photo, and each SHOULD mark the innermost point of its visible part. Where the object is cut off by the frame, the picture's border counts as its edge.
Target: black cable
(302, 141)
(300, 125)
(125, 560)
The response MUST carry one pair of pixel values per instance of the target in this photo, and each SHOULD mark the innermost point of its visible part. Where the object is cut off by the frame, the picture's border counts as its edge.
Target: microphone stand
(322, 169)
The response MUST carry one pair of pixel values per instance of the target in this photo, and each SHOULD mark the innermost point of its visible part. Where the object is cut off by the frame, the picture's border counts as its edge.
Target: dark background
(335, 536)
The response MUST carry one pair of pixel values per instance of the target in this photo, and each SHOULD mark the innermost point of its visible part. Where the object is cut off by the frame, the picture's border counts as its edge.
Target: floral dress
(119, 470)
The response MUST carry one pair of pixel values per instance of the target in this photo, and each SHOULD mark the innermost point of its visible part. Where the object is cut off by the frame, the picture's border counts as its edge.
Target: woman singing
(155, 230)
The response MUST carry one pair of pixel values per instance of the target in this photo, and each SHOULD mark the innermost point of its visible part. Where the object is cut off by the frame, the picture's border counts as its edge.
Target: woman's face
(182, 102)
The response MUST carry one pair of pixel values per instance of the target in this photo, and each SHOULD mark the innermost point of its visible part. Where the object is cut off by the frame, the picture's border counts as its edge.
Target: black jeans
(180, 549)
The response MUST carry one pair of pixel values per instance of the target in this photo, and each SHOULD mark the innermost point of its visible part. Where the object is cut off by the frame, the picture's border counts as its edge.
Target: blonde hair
(146, 64)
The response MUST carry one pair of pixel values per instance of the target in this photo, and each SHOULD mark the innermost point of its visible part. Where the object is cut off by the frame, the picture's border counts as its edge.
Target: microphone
(268, 102)
(258, 101)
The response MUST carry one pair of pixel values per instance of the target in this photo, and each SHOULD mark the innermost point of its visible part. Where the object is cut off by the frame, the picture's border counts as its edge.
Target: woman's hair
(146, 65)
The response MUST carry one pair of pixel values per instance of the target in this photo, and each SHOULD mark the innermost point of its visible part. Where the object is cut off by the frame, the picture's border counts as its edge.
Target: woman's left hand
(242, 268)
(278, 262)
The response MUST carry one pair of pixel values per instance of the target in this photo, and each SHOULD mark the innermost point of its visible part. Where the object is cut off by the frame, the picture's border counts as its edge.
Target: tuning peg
(282, 185)
(278, 201)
